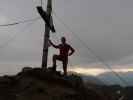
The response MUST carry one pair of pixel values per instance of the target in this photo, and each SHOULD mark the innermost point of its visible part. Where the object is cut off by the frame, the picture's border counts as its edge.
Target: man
(65, 51)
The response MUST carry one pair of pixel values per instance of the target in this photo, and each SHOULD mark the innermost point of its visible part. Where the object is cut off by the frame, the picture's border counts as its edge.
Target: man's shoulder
(68, 45)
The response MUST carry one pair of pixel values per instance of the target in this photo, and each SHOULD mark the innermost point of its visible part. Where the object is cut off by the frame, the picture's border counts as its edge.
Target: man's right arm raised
(55, 46)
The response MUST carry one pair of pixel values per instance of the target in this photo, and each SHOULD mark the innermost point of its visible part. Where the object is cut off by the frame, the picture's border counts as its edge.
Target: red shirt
(64, 49)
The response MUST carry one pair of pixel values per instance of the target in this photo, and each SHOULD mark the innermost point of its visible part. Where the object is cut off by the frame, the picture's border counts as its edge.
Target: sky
(105, 26)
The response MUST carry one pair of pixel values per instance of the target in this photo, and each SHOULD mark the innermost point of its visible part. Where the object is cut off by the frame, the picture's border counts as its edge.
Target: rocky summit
(38, 84)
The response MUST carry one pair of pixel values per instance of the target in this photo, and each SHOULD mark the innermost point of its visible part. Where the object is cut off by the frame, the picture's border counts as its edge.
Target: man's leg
(55, 57)
(65, 62)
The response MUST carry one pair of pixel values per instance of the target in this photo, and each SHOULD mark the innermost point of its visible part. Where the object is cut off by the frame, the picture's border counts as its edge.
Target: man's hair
(63, 38)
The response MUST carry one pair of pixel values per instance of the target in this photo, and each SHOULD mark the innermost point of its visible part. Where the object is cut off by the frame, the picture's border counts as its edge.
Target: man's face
(63, 40)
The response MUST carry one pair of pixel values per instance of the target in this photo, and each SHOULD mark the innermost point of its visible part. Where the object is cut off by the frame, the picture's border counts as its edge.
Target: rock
(26, 69)
(38, 84)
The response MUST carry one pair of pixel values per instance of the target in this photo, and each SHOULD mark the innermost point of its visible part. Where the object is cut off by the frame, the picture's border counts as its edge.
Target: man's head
(63, 40)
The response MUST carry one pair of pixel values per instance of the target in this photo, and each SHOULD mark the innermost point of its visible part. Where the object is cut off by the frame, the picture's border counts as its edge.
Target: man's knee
(55, 57)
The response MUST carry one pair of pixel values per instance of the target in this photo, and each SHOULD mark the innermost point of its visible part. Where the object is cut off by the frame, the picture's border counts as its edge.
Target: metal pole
(46, 36)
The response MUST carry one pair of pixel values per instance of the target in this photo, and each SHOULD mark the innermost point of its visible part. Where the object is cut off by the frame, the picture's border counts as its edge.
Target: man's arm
(71, 51)
(55, 46)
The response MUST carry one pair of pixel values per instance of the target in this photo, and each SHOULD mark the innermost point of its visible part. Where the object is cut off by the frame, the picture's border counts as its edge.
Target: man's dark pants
(64, 60)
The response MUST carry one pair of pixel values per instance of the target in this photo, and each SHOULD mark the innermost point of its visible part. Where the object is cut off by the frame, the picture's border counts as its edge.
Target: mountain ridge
(35, 83)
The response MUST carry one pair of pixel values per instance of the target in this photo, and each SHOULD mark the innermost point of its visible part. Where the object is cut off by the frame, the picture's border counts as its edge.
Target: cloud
(3, 19)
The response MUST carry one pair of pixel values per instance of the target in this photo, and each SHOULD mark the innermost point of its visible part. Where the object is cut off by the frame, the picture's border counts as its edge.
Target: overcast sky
(106, 26)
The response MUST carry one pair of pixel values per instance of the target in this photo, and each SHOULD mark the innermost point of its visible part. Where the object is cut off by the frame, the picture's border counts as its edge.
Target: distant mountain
(109, 78)
(89, 79)
(113, 79)
(92, 80)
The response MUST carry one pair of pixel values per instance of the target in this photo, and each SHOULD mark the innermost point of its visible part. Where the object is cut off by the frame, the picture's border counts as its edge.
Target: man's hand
(51, 43)
(72, 51)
